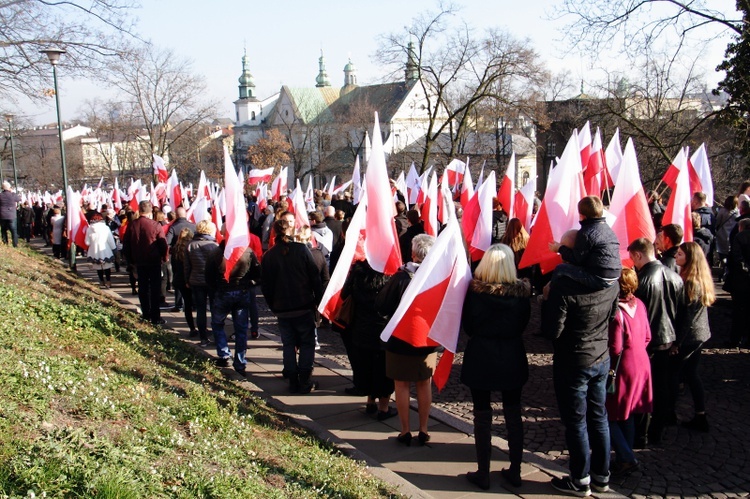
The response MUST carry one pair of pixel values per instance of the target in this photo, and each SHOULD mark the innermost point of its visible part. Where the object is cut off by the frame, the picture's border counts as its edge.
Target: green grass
(97, 404)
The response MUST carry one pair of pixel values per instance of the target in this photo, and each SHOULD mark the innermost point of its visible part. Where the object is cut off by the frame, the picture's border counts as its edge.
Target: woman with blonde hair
(694, 329)
(496, 311)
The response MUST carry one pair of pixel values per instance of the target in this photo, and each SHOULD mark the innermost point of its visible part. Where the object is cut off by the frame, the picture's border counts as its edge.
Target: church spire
(322, 79)
(412, 68)
(247, 85)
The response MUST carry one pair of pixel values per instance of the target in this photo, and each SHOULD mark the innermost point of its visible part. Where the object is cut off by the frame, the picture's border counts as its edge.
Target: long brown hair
(696, 274)
(180, 247)
(515, 235)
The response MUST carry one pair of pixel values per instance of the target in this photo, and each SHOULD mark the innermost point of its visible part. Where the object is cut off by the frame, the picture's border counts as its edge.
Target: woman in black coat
(496, 310)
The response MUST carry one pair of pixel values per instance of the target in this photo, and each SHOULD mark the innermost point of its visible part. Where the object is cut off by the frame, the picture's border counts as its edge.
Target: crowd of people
(624, 339)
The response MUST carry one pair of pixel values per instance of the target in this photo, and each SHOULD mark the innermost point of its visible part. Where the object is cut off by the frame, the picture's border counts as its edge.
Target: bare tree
(272, 151)
(167, 98)
(458, 69)
(92, 32)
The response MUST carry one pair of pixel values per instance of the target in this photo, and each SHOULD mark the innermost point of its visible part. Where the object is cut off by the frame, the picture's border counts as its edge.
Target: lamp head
(53, 54)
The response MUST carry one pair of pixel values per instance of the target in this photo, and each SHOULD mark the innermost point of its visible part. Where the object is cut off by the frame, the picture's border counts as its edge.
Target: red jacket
(144, 242)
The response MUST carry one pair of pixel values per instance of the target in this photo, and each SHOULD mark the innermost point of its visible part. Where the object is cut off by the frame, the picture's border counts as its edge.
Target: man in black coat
(9, 214)
(668, 242)
(332, 223)
(292, 288)
(661, 290)
(173, 234)
(577, 320)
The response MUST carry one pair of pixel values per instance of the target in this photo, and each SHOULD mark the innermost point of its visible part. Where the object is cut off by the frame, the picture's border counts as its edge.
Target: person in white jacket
(101, 245)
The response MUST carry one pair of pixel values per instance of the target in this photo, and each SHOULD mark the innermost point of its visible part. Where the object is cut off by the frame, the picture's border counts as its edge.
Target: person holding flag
(406, 364)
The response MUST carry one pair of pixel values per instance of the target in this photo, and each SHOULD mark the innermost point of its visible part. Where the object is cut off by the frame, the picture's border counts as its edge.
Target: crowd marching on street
(398, 268)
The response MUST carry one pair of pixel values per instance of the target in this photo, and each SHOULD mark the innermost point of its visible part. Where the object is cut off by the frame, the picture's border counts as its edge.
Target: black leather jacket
(661, 290)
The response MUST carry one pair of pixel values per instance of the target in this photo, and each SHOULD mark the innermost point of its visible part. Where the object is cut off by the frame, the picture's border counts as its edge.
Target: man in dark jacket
(738, 284)
(235, 296)
(145, 247)
(699, 206)
(401, 221)
(173, 234)
(8, 214)
(668, 242)
(415, 228)
(499, 221)
(661, 290)
(332, 223)
(292, 288)
(577, 319)
(26, 216)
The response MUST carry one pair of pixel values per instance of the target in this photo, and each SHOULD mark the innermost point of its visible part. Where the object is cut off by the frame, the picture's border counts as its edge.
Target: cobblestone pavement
(687, 464)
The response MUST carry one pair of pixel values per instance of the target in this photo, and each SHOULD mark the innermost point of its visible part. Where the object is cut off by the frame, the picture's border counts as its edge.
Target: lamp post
(9, 119)
(54, 57)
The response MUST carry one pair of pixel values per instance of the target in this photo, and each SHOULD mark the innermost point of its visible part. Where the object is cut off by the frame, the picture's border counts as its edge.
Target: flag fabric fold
(237, 233)
(160, 169)
(678, 207)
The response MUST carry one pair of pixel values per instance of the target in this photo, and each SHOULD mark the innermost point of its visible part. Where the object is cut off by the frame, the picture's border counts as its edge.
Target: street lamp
(9, 119)
(54, 57)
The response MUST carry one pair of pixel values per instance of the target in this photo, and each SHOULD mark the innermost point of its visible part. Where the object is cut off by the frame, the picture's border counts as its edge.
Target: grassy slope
(96, 404)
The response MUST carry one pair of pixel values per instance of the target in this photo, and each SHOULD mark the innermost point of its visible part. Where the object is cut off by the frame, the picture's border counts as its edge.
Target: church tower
(247, 106)
(412, 68)
(322, 78)
(350, 77)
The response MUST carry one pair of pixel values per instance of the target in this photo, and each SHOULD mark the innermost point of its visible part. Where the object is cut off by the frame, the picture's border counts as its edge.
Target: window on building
(551, 149)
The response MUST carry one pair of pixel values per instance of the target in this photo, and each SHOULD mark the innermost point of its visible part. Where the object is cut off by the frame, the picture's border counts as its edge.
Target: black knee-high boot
(483, 446)
(514, 425)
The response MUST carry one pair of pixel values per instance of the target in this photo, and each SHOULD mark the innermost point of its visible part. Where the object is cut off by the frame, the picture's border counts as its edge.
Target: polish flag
(507, 190)
(357, 191)
(236, 216)
(429, 313)
(455, 171)
(476, 222)
(584, 144)
(612, 160)
(342, 187)
(681, 162)
(480, 180)
(257, 175)
(154, 197)
(299, 207)
(430, 208)
(332, 187)
(160, 170)
(630, 206)
(699, 161)
(279, 185)
(260, 193)
(467, 188)
(198, 211)
(524, 203)
(678, 208)
(310, 195)
(203, 187)
(401, 186)
(559, 210)
(331, 301)
(117, 196)
(76, 220)
(412, 185)
(381, 244)
(592, 175)
(442, 199)
(174, 191)
(216, 215)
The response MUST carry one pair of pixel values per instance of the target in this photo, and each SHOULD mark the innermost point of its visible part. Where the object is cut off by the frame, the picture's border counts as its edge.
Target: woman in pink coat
(629, 334)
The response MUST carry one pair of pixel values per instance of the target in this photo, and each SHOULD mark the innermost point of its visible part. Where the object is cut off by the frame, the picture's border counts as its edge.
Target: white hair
(6, 185)
(420, 245)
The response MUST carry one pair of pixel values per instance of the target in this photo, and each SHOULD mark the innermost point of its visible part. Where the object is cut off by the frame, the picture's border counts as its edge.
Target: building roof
(313, 104)
(385, 98)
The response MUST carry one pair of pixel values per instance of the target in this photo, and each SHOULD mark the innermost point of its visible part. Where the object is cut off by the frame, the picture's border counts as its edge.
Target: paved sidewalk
(687, 464)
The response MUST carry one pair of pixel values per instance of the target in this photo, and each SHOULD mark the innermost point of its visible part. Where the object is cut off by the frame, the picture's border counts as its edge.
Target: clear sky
(284, 39)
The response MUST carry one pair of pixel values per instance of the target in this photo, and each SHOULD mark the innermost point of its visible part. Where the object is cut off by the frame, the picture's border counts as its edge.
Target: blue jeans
(622, 434)
(581, 393)
(298, 332)
(12, 226)
(201, 297)
(237, 302)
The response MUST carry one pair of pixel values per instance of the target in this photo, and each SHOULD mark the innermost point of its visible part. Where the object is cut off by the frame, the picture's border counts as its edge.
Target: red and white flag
(412, 185)
(236, 216)
(592, 175)
(174, 191)
(455, 170)
(160, 169)
(524, 203)
(356, 183)
(612, 160)
(682, 162)
(476, 223)
(76, 220)
(629, 205)
(467, 187)
(381, 244)
(279, 185)
(400, 187)
(480, 180)
(299, 207)
(117, 196)
(678, 210)
(559, 210)
(506, 192)
(429, 313)
(342, 187)
(332, 187)
(257, 175)
(430, 207)
(699, 161)
(584, 144)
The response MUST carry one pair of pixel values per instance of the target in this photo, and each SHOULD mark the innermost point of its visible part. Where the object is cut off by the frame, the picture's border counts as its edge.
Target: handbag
(345, 313)
(612, 374)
